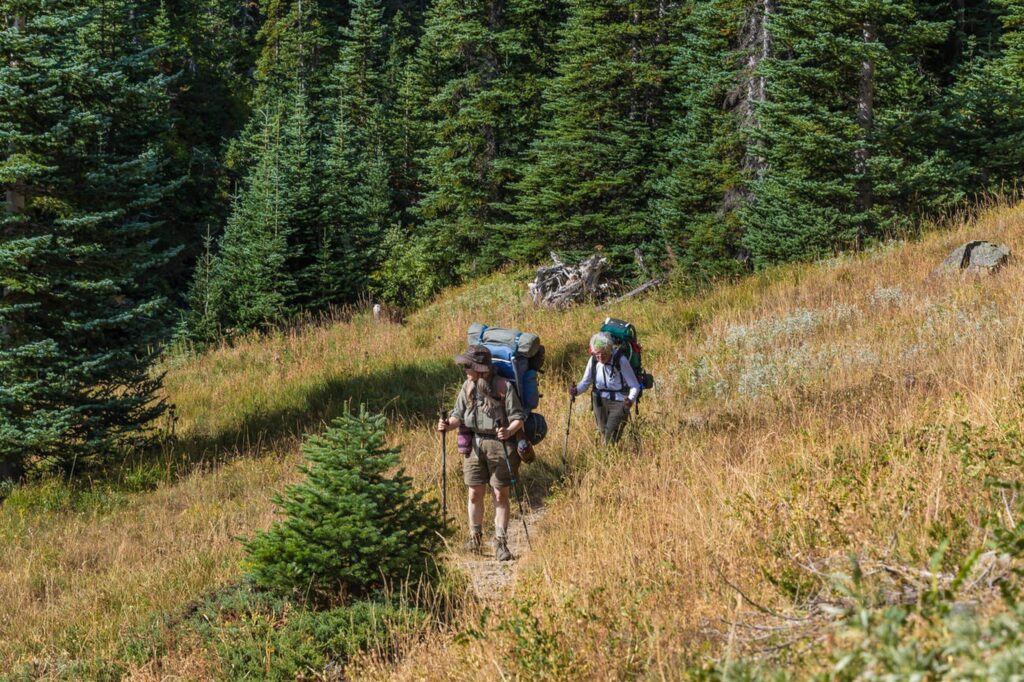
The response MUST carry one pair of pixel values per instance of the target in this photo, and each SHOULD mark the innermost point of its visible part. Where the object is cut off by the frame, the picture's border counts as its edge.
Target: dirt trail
(492, 580)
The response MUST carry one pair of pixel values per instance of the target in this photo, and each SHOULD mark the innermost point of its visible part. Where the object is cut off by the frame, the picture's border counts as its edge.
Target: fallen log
(646, 286)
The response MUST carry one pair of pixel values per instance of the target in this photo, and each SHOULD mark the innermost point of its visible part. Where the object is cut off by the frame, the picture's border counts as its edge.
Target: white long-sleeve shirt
(609, 382)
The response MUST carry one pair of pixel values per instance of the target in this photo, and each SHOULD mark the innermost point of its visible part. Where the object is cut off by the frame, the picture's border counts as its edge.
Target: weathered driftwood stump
(561, 285)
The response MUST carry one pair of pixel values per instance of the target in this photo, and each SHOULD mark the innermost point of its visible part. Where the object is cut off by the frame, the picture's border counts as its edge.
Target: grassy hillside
(858, 407)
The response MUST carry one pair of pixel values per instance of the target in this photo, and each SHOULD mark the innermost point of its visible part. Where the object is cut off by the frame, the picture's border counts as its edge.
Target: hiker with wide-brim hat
(485, 402)
(616, 387)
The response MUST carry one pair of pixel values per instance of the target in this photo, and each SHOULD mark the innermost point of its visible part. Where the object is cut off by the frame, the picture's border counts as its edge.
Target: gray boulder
(979, 257)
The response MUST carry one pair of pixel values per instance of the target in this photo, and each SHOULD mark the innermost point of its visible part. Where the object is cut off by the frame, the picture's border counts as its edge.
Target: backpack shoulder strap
(499, 387)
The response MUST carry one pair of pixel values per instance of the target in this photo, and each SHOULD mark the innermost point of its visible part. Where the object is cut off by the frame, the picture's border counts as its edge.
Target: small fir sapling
(348, 527)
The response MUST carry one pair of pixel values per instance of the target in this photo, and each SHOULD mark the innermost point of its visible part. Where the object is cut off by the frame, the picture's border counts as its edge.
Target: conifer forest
(181, 172)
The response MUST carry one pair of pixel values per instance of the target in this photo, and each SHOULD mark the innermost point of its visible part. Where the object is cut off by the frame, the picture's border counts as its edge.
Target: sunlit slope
(851, 407)
(806, 412)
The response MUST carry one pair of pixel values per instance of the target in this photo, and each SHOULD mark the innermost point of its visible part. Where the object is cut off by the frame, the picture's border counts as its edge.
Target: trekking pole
(565, 446)
(515, 487)
(444, 476)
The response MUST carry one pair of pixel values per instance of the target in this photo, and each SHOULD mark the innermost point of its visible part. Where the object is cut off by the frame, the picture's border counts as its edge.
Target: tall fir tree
(592, 165)
(208, 49)
(357, 202)
(406, 103)
(81, 311)
(297, 48)
(983, 114)
(847, 103)
(715, 89)
(249, 284)
(480, 70)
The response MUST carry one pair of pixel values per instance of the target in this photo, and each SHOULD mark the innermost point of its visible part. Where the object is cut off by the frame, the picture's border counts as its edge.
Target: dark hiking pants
(611, 417)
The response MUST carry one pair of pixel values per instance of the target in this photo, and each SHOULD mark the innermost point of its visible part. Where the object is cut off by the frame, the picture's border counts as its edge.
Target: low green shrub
(262, 636)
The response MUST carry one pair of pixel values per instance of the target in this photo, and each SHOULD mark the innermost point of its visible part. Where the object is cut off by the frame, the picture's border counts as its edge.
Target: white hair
(601, 341)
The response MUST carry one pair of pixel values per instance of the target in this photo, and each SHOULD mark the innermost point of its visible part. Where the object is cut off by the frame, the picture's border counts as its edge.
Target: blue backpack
(518, 357)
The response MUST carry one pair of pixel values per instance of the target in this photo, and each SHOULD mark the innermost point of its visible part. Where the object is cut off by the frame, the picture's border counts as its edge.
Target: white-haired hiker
(615, 386)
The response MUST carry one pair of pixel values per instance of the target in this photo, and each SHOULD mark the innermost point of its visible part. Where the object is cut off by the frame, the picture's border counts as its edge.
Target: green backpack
(626, 344)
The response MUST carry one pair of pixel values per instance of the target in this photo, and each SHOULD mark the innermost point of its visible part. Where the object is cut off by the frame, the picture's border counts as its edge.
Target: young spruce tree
(349, 526)
(81, 312)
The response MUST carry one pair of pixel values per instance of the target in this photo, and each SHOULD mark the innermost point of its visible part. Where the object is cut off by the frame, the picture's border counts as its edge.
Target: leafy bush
(347, 528)
(259, 636)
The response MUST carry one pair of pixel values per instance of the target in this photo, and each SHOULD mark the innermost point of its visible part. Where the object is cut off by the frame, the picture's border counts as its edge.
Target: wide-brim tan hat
(477, 358)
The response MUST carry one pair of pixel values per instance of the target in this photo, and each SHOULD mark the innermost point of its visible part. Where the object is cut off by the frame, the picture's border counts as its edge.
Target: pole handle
(444, 472)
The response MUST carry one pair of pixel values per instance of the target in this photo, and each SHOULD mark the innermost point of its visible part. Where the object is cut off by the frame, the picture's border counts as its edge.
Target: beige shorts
(485, 464)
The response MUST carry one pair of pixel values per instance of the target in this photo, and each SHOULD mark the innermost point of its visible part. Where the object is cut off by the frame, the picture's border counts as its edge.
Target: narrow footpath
(492, 580)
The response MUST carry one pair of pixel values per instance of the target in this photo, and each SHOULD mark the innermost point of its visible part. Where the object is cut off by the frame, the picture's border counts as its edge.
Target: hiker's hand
(442, 424)
(573, 391)
(627, 403)
(503, 433)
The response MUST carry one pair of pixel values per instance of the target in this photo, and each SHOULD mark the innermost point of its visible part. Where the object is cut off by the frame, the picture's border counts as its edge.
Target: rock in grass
(978, 257)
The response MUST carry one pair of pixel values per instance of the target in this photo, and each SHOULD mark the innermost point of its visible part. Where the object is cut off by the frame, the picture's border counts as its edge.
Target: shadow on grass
(413, 392)
(567, 361)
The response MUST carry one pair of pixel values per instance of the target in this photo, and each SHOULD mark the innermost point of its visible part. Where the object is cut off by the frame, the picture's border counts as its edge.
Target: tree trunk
(865, 119)
(960, 18)
(757, 42)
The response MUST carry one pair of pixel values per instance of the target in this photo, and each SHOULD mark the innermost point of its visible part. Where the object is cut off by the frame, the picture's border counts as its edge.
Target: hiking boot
(501, 552)
(473, 543)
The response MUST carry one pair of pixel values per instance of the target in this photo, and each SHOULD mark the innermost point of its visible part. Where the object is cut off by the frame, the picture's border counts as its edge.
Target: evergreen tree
(480, 67)
(200, 324)
(299, 158)
(348, 526)
(81, 315)
(250, 284)
(406, 102)
(974, 29)
(358, 207)
(296, 56)
(591, 166)
(846, 107)
(208, 49)
(983, 114)
(715, 89)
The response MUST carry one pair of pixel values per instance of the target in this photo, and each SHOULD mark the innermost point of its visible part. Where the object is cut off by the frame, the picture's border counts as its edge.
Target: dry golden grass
(786, 424)
(72, 584)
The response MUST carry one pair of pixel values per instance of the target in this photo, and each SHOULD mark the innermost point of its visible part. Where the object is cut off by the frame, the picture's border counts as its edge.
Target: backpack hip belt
(607, 394)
